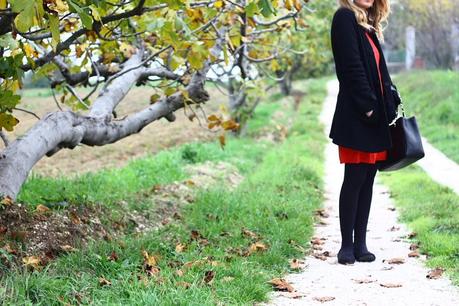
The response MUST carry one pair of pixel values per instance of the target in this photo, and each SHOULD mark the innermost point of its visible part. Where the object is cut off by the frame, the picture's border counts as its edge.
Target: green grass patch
(276, 200)
(433, 97)
(432, 211)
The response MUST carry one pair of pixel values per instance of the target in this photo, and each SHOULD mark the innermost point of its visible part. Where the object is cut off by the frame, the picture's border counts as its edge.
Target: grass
(432, 211)
(276, 200)
(433, 96)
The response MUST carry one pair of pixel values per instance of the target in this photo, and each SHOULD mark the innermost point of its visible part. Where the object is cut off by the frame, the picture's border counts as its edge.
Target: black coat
(359, 88)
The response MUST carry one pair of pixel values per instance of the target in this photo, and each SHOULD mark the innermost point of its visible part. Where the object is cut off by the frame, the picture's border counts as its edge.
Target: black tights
(354, 204)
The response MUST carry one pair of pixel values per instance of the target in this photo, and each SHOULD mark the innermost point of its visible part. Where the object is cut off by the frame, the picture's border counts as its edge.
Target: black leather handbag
(406, 143)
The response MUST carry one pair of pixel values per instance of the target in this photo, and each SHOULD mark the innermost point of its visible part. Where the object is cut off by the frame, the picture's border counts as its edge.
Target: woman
(364, 109)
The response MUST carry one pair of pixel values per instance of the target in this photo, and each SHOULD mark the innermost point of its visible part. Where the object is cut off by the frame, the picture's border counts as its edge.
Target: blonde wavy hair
(373, 18)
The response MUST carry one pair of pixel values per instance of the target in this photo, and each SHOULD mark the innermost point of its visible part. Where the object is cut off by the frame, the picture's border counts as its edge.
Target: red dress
(348, 155)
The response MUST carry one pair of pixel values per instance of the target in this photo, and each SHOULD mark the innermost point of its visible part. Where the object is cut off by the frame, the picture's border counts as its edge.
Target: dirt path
(377, 283)
(439, 167)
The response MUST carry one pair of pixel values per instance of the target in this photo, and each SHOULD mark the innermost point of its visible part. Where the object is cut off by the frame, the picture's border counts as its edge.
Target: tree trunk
(66, 129)
(285, 83)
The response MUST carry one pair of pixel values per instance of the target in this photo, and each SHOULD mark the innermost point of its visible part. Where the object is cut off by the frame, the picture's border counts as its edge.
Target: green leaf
(24, 20)
(266, 8)
(251, 9)
(85, 17)
(54, 28)
(8, 100)
(7, 41)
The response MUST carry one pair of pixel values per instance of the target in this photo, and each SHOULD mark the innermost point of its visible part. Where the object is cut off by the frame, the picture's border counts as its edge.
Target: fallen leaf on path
(42, 209)
(292, 295)
(104, 282)
(195, 235)
(413, 254)
(113, 256)
(411, 235)
(179, 272)
(387, 268)
(394, 228)
(319, 256)
(414, 246)
(149, 263)
(390, 285)
(395, 261)
(318, 241)
(321, 212)
(32, 261)
(363, 281)
(247, 233)
(74, 218)
(7, 201)
(209, 276)
(323, 299)
(323, 223)
(67, 248)
(179, 248)
(316, 247)
(184, 284)
(435, 273)
(391, 208)
(281, 284)
(257, 246)
(8, 248)
(297, 264)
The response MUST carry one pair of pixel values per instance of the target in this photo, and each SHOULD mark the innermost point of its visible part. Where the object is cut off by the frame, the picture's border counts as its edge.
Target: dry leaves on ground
(323, 299)
(395, 261)
(297, 264)
(281, 284)
(435, 273)
(390, 285)
(363, 281)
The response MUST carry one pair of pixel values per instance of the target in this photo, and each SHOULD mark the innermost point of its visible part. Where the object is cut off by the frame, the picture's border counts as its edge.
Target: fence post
(455, 44)
(410, 41)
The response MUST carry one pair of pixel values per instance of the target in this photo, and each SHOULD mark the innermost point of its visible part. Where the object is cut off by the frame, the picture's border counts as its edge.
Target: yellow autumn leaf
(32, 261)
(275, 65)
(42, 208)
(61, 6)
(222, 140)
(30, 51)
(297, 5)
(127, 49)
(219, 4)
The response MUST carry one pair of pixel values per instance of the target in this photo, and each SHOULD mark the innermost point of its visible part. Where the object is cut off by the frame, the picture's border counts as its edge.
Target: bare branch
(270, 23)
(4, 138)
(27, 111)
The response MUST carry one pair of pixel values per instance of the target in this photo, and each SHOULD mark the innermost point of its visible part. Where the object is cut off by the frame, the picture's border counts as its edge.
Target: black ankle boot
(346, 256)
(363, 255)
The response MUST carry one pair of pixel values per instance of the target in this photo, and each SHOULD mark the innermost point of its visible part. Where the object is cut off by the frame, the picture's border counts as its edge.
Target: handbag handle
(393, 88)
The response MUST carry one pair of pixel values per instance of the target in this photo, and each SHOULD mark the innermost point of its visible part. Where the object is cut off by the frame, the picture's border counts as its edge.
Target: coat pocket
(372, 120)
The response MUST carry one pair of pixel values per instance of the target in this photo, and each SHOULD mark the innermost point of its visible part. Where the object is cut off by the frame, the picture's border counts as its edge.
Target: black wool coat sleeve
(348, 60)
(359, 88)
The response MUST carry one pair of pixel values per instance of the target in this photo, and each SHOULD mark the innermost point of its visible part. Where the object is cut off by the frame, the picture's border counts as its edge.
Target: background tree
(309, 55)
(110, 47)
(433, 21)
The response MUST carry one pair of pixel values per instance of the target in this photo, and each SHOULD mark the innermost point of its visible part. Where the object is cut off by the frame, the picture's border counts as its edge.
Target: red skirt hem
(352, 156)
